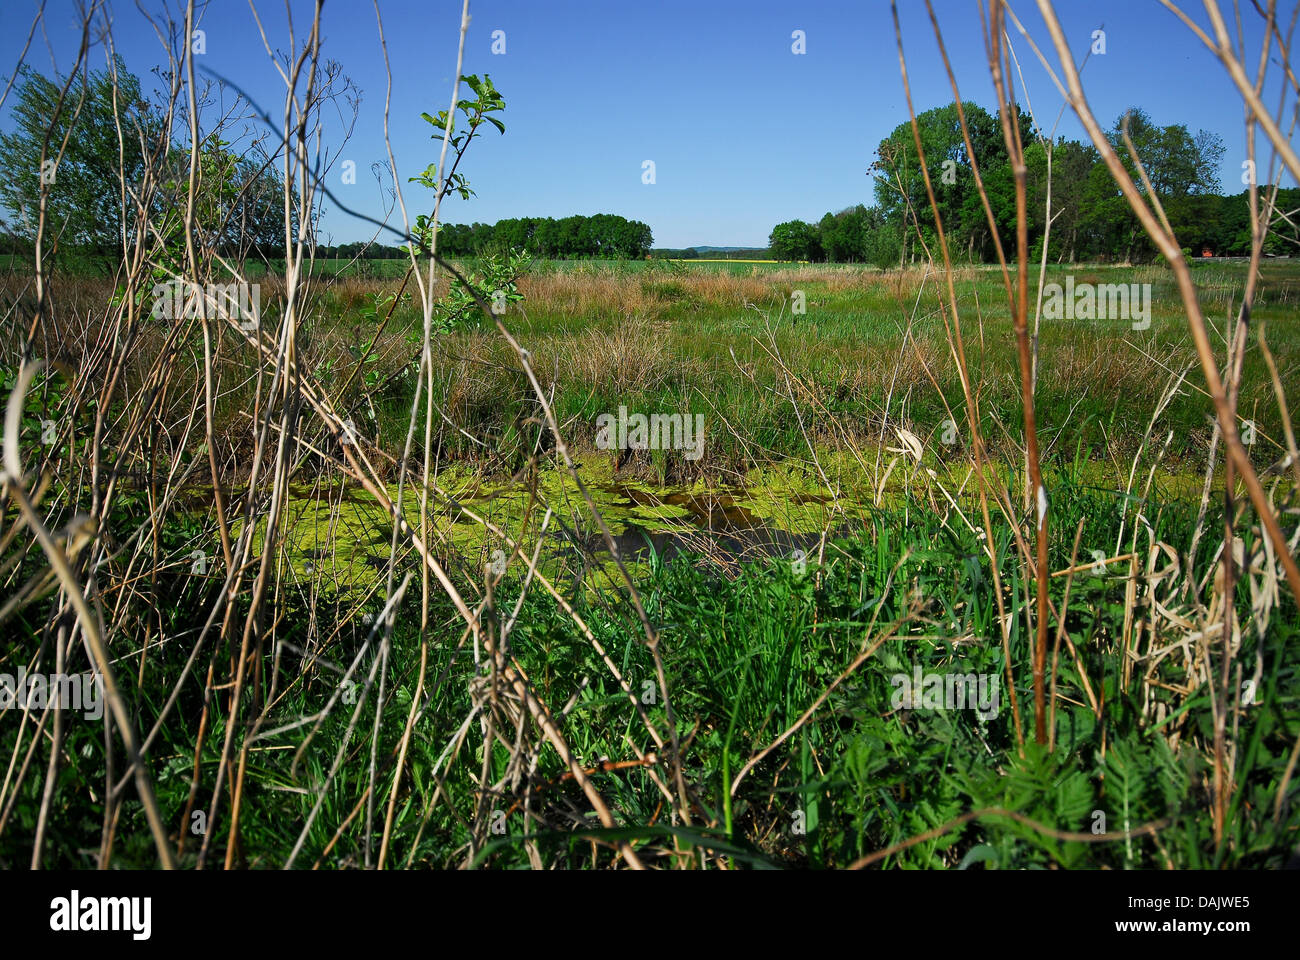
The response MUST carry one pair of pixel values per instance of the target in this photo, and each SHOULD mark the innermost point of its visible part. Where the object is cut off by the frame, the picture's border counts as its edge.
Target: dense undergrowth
(744, 657)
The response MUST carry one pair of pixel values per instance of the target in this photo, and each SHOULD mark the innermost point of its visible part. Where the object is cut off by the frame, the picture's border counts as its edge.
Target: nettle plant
(495, 278)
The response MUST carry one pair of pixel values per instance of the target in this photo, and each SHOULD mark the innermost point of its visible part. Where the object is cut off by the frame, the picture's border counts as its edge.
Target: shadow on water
(716, 524)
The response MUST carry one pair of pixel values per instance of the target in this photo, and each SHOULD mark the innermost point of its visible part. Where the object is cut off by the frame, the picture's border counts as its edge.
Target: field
(869, 355)
(826, 541)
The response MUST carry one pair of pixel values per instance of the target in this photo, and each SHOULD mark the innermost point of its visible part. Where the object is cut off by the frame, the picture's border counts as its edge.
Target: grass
(868, 357)
(803, 413)
(871, 350)
(744, 658)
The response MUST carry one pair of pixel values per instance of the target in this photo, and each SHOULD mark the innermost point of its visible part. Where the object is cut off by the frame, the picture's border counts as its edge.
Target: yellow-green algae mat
(340, 537)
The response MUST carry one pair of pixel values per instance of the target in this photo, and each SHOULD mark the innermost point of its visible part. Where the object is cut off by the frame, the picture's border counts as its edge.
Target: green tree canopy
(239, 199)
(82, 189)
(604, 236)
(795, 240)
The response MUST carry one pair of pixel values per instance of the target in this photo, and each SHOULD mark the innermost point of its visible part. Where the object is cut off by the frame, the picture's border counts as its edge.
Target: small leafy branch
(477, 112)
(496, 277)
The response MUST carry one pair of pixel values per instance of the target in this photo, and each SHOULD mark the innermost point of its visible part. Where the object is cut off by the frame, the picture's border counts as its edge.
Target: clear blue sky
(743, 132)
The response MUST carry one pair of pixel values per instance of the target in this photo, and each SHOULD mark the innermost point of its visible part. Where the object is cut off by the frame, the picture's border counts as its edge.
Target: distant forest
(604, 236)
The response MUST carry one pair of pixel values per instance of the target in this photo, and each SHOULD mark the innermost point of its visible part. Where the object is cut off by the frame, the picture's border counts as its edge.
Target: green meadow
(826, 549)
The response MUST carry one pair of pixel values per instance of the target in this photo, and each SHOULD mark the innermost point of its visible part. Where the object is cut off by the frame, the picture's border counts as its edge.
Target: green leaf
(979, 854)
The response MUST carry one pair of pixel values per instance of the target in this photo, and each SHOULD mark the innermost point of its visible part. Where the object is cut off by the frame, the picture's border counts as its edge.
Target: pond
(339, 538)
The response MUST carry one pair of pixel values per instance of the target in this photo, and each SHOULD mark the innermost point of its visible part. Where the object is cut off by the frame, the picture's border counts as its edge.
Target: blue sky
(744, 133)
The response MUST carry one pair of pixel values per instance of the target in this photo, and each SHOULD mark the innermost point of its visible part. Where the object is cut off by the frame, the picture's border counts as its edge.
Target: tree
(1071, 163)
(81, 189)
(900, 187)
(1229, 232)
(239, 203)
(635, 239)
(1176, 163)
(1090, 217)
(256, 210)
(604, 235)
(843, 234)
(794, 240)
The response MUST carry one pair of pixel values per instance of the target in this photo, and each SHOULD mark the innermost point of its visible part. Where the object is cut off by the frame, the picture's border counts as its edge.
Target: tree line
(239, 207)
(604, 236)
(1090, 220)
